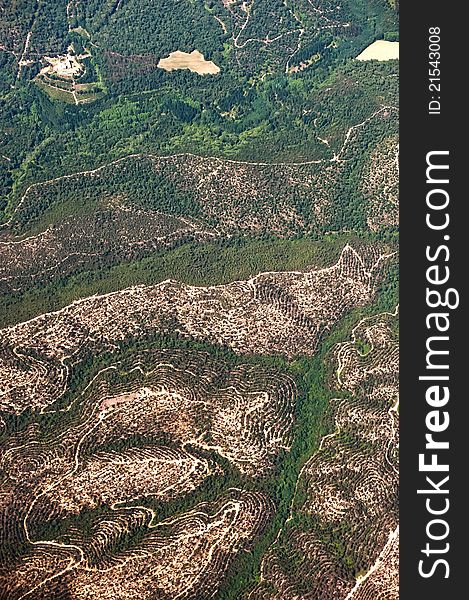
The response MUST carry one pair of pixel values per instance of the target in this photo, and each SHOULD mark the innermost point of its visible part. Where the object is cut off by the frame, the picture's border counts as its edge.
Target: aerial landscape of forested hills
(198, 299)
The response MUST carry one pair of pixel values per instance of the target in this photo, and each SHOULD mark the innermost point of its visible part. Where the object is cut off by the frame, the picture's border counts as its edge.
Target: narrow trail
(68, 11)
(221, 23)
(22, 61)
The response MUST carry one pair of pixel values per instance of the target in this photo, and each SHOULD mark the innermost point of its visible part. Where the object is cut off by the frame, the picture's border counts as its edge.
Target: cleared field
(380, 50)
(193, 61)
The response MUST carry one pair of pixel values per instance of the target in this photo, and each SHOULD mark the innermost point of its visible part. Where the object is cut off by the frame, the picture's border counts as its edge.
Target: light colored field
(380, 50)
(194, 61)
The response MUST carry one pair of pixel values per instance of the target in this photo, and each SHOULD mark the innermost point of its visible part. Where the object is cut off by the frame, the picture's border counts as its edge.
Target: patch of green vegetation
(56, 93)
(391, 36)
(363, 347)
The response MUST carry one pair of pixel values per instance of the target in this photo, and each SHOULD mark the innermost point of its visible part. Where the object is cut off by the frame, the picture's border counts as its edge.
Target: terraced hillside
(342, 533)
(198, 291)
(137, 439)
(115, 433)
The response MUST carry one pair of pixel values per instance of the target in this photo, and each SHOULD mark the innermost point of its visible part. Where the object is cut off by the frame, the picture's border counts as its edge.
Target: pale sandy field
(380, 50)
(194, 61)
